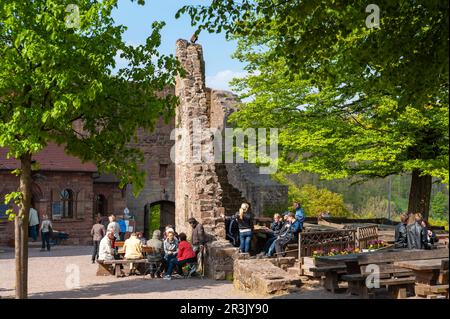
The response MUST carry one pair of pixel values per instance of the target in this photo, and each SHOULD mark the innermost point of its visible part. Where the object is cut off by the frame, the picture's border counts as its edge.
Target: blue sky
(220, 67)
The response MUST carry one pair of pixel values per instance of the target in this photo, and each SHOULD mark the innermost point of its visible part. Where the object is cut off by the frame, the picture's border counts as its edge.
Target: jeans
(45, 240)
(270, 247)
(95, 251)
(167, 260)
(281, 243)
(179, 263)
(33, 231)
(245, 239)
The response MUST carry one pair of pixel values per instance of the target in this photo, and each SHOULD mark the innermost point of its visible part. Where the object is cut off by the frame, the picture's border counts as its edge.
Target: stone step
(294, 271)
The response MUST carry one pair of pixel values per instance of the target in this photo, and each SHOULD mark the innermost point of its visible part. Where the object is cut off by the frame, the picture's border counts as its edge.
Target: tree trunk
(21, 228)
(420, 194)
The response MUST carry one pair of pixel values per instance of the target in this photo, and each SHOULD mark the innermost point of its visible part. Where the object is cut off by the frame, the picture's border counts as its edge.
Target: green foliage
(376, 207)
(439, 206)
(155, 219)
(348, 100)
(315, 200)
(57, 84)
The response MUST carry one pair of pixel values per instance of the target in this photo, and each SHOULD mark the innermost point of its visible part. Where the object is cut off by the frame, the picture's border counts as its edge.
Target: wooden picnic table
(428, 273)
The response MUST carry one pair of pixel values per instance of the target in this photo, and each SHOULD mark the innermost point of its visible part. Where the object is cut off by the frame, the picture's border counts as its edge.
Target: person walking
(33, 224)
(46, 230)
(98, 231)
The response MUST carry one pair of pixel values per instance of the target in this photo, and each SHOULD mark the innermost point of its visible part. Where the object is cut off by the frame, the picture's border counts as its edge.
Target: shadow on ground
(133, 287)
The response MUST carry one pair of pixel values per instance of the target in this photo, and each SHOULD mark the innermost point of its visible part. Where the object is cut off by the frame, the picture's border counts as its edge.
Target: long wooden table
(428, 273)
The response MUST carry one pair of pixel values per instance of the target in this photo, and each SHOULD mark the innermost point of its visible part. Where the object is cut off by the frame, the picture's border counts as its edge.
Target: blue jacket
(293, 230)
(300, 214)
(122, 225)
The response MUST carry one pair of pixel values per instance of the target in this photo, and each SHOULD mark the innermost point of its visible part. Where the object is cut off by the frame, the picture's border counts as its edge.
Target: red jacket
(185, 251)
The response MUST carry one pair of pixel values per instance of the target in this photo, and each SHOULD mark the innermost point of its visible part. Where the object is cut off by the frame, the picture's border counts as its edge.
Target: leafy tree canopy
(348, 99)
(57, 83)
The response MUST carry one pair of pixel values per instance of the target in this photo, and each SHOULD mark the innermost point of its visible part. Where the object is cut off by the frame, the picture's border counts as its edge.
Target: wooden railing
(308, 242)
(366, 234)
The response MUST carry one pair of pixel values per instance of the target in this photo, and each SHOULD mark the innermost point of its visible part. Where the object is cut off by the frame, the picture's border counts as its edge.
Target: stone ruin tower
(205, 188)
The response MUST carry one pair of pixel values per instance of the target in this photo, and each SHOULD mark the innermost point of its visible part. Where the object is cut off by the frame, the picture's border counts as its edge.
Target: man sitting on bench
(106, 250)
(133, 249)
(186, 255)
(291, 236)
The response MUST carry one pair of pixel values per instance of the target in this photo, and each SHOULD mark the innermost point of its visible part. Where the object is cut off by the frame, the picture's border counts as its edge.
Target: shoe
(167, 277)
(93, 261)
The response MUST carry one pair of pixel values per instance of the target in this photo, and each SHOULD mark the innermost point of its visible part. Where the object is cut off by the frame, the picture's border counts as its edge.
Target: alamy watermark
(210, 145)
(373, 19)
(73, 18)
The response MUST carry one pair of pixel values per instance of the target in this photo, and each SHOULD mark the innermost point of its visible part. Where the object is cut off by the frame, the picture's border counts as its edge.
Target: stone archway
(160, 212)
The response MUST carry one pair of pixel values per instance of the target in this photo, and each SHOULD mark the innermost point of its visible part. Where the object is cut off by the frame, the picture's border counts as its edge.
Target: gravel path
(54, 275)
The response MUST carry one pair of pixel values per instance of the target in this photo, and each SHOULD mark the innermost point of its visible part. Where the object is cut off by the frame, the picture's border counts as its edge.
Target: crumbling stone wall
(198, 192)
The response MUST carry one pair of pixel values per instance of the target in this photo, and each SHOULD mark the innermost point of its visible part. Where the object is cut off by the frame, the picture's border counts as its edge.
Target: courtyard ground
(53, 274)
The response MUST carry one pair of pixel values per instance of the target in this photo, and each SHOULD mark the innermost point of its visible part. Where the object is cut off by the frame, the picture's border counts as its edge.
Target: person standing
(122, 228)
(401, 234)
(245, 223)
(198, 235)
(33, 224)
(98, 231)
(299, 213)
(114, 227)
(46, 230)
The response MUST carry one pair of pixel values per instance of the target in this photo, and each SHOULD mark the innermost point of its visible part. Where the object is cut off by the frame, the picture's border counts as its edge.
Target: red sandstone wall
(77, 227)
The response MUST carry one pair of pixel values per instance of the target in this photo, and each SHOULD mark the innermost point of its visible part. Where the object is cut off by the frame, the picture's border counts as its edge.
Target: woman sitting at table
(185, 255)
(170, 247)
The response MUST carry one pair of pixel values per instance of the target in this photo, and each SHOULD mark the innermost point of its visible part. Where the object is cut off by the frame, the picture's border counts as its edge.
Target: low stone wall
(262, 277)
(219, 259)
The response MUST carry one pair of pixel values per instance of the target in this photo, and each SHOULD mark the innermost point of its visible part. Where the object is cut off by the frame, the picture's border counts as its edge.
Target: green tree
(57, 85)
(349, 98)
(439, 206)
(314, 200)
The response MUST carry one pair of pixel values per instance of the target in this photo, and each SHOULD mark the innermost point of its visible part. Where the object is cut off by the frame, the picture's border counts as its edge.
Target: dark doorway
(157, 215)
(101, 205)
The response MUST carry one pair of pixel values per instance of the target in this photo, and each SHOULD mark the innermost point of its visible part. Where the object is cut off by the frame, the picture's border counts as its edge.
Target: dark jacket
(293, 230)
(245, 222)
(414, 235)
(428, 241)
(232, 230)
(198, 235)
(401, 236)
(276, 227)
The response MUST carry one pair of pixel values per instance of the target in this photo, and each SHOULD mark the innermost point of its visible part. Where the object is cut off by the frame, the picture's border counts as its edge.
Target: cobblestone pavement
(51, 275)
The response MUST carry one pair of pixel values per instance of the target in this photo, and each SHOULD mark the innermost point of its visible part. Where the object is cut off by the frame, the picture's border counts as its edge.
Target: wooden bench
(331, 275)
(398, 280)
(113, 267)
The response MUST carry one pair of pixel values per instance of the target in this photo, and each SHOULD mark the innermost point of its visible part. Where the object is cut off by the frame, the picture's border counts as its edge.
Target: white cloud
(221, 79)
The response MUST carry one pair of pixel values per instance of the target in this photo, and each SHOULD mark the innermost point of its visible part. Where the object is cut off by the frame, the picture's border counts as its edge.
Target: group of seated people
(168, 253)
(283, 230)
(414, 235)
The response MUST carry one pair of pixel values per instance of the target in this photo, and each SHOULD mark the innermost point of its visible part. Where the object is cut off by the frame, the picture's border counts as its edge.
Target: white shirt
(45, 226)
(114, 227)
(33, 218)
(106, 252)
